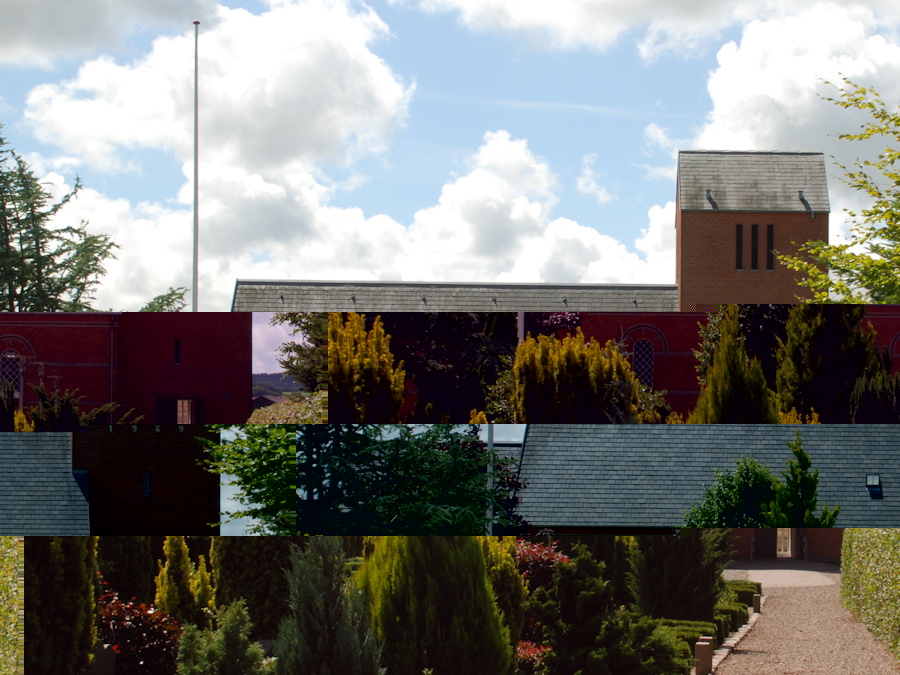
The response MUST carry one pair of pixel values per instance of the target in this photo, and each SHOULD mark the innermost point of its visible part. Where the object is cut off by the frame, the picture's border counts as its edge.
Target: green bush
(736, 613)
(744, 591)
(690, 631)
(227, 651)
(506, 582)
(870, 581)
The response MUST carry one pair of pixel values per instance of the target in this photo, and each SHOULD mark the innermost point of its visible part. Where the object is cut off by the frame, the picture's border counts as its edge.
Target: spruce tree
(60, 625)
(363, 384)
(326, 631)
(827, 350)
(735, 390)
(432, 607)
(796, 498)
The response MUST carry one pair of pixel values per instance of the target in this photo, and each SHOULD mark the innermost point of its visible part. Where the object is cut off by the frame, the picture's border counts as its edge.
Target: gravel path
(803, 629)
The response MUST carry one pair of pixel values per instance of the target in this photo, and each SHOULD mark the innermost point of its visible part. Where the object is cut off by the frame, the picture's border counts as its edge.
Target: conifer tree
(796, 497)
(363, 384)
(60, 625)
(173, 584)
(735, 390)
(326, 631)
(226, 651)
(826, 352)
(432, 607)
(573, 382)
(508, 585)
(127, 565)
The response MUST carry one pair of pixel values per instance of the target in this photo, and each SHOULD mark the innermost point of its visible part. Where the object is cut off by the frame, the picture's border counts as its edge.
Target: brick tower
(735, 211)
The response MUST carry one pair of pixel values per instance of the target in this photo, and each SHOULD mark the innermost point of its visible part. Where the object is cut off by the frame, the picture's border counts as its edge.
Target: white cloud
(37, 32)
(587, 181)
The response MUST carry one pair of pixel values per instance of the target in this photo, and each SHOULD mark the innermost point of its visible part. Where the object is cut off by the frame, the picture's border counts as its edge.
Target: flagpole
(194, 293)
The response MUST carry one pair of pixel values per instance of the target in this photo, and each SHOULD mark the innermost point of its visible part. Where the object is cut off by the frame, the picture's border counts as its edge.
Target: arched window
(10, 371)
(642, 361)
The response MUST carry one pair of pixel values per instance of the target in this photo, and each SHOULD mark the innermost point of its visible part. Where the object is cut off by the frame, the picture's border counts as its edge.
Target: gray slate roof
(752, 181)
(38, 494)
(646, 476)
(389, 296)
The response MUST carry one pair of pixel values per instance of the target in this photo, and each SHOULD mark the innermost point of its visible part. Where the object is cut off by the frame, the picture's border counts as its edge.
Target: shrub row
(690, 631)
(743, 591)
(870, 581)
(734, 612)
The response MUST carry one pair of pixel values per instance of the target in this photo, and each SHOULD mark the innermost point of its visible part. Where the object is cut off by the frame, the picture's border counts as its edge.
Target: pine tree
(826, 352)
(432, 607)
(326, 631)
(363, 384)
(173, 584)
(796, 498)
(573, 382)
(60, 625)
(736, 390)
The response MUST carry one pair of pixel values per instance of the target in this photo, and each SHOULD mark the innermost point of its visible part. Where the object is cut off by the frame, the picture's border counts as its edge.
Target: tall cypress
(432, 607)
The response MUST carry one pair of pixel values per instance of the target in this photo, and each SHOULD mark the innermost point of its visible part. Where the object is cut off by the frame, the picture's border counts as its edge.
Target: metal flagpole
(194, 293)
(490, 482)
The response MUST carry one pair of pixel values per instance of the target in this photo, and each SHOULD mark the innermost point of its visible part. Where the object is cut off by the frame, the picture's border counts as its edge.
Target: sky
(418, 140)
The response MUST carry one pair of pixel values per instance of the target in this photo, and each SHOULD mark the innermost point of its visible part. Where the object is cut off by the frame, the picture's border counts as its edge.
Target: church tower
(735, 212)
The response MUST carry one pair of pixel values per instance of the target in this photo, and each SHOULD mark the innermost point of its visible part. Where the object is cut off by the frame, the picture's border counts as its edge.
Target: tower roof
(713, 180)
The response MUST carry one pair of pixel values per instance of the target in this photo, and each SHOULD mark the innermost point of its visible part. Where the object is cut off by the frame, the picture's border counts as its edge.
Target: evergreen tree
(570, 381)
(201, 589)
(173, 584)
(363, 384)
(796, 498)
(226, 651)
(252, 569)
(736, 499)
(127, 565)
(736, 390)
(60, 625)
(306, 360)
(679, 577)
(876, 398)
(326, 631)
(422, 625)
(826, 352)
(508, 585)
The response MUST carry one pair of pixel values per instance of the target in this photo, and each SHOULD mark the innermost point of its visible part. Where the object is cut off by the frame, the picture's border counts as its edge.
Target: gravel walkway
(803, 629)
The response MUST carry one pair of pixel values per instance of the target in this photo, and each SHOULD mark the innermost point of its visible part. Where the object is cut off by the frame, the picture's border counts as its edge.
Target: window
(177, 352)
(10, 372)
(642, 361)
(739, 237)
(145, 484)
(754, 246)
(184, 411)
(770, 247)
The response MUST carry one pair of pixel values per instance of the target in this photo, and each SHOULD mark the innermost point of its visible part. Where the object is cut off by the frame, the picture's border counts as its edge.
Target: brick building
(170, 367)
(147, 479)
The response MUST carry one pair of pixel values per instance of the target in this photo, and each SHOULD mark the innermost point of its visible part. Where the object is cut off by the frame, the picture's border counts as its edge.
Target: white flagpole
(194, 293)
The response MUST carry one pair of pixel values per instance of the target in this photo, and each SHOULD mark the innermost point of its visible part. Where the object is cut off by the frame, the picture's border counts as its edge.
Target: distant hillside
(271, 384)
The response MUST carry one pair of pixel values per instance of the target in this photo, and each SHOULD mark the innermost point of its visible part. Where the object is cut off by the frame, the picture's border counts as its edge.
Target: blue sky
(475, 140)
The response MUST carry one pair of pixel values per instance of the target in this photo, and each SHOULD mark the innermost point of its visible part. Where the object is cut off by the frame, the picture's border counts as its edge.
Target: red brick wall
(184, 497)
(216, 358)
(705, 256)
(824, 543)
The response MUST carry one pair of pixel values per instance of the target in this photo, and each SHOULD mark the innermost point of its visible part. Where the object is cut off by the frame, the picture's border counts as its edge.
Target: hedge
(690, 631)
(870, 581)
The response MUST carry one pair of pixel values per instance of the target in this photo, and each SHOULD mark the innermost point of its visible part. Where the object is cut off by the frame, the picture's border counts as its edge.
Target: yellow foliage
(476, 417)
(793, 417)
(675, 418)
(21, 422)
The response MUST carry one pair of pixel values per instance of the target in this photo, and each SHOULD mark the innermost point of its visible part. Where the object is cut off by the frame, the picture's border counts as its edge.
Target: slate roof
(38, 494)
(638, 476)
(752, 181)
(392, 296)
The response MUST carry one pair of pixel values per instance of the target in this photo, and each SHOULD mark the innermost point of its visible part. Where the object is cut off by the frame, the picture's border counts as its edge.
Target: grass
(311, 409)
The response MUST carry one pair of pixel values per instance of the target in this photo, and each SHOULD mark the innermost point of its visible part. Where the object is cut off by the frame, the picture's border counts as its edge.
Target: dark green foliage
(305, 361)
(261, 460)
(60, 412)
(451, 357)
(253, 568)
(355, 479)
(744, 590)
(326, 631)
(8, 406)
(634, 644)
(736, 499)
(796, 497)
(226, 651)
(826, 352)
(128, 566)
(876, 398)
(736, 391)
(689, 631)
(735, 611)
(422, 624)
(170, 301)
(43, 268)
(506, 582)
(59, 604)
(143, 638)
(679, 577)
(615, 554)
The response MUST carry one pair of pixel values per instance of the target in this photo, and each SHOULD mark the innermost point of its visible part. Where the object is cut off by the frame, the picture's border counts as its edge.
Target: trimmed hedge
(870, 581)
(690, 631)
(736, 613)
(744, 590)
